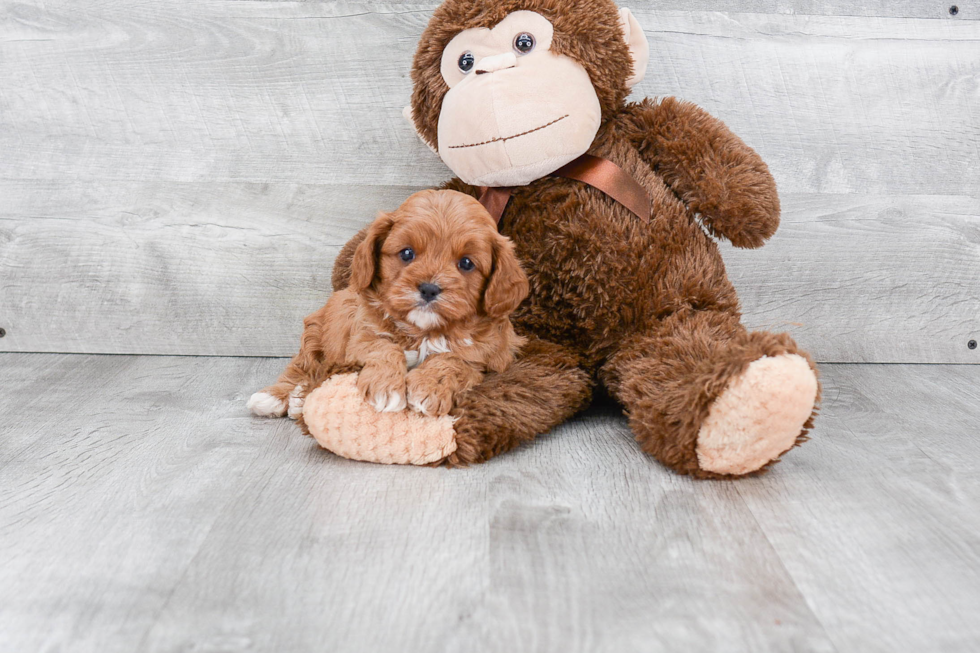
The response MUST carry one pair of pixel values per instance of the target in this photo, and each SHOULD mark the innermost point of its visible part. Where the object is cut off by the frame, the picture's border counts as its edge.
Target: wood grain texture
(177, 177)
(232, 268)
(875, 8)
(313, 92)
(894, 477)
(109, 487)
(142, 509)
(868, 279)
(135, 267)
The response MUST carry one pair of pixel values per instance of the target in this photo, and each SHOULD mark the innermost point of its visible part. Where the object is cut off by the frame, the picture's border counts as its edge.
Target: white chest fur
(429, 346)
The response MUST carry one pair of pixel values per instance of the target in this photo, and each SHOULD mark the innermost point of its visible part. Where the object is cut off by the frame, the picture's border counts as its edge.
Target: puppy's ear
(365, 264)
(508, 284)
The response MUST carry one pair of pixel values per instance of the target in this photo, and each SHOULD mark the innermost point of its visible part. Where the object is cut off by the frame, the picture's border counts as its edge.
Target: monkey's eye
(466, 265)
(466, 61)
(524, 42)
(407, 255)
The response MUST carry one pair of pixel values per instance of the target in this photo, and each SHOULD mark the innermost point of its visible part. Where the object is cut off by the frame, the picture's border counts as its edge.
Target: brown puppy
(425, 315)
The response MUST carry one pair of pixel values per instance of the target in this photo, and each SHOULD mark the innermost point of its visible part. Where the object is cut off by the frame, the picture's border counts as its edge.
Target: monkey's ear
(637, 42)
(364, 266)
(407, 114)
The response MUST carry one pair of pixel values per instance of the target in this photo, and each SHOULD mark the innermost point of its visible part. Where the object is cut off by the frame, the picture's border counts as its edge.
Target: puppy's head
(438, 260)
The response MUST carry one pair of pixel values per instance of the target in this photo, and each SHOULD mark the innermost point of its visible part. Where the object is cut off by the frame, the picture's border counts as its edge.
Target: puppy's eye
(466, 265)
(524, 42)
(407, 255)
(466, 61)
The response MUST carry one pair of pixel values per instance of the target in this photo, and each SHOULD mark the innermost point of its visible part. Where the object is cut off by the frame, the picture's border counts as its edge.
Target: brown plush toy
(612, 207)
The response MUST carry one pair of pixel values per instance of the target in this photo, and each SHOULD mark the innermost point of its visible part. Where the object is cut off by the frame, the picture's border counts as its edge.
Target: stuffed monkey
(510, 91)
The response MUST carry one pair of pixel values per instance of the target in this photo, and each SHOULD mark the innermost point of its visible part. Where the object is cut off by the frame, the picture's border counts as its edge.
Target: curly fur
(372, 324)
(643, 306)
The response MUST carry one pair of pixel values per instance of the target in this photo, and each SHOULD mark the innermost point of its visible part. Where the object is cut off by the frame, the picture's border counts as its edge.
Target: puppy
(426, 313)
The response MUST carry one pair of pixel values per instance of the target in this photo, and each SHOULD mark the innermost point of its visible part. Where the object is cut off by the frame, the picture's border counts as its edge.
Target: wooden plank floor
(141, 508)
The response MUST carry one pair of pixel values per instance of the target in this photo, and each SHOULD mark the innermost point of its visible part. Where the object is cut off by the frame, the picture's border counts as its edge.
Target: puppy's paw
(296, 399)
(265, 404)
(428, 393)
(383, 387)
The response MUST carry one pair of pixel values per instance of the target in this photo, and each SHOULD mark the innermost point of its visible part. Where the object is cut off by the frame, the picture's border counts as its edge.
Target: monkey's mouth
(501, 139)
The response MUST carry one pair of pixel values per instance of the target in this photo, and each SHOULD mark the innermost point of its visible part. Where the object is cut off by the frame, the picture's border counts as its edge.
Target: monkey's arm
(712, 171)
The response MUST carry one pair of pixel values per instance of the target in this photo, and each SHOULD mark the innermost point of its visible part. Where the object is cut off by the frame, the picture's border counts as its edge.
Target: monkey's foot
(339, 419)
(759, 415)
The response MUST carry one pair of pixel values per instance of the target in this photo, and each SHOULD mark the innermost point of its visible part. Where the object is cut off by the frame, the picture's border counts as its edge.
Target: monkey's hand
(709, 168)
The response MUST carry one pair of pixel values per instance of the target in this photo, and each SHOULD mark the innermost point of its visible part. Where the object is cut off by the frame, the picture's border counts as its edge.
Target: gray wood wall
(177, 177)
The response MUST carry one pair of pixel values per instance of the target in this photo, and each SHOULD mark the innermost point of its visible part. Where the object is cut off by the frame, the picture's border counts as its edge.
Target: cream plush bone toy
(605, 201)
(342, 422)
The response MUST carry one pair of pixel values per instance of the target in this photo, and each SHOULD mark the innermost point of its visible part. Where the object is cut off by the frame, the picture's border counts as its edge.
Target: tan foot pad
(759, 416)
(342, 422)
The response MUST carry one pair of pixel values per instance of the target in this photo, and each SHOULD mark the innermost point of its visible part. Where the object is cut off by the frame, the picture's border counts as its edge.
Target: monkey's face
(515, 111)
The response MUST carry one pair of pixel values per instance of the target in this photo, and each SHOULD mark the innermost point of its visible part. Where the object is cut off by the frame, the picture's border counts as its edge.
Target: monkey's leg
(543, 388)
(708, 398)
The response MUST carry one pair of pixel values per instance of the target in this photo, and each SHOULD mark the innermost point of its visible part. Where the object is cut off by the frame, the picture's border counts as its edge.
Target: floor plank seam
(782, 563)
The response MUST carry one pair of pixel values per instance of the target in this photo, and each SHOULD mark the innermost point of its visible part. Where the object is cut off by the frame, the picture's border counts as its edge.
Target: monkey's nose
(495, 63)
(429, 291)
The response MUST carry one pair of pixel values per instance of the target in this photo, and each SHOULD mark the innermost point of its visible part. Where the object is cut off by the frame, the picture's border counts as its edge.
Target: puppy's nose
(429, 291)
